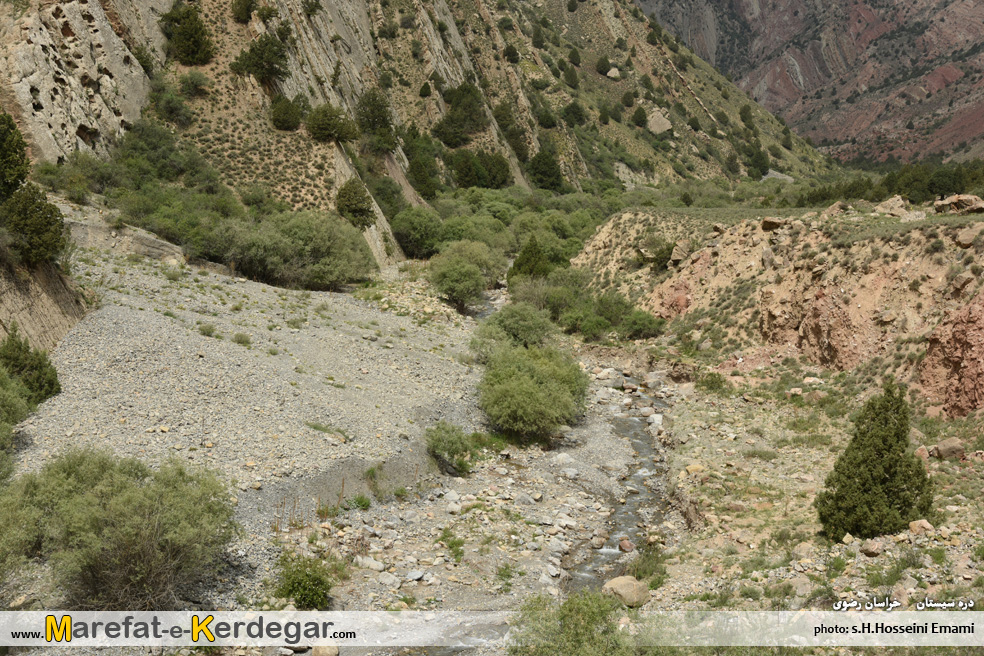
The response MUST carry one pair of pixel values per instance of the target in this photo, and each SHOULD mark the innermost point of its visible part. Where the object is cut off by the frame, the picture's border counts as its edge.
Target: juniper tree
(876, 486)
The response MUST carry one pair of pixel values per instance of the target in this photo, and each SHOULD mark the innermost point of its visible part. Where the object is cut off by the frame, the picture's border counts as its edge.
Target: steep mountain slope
(518, 55)
(869, 78)
(847, 289)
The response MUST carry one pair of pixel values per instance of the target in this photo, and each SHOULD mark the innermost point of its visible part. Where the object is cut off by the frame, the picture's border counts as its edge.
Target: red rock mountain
(880, 78)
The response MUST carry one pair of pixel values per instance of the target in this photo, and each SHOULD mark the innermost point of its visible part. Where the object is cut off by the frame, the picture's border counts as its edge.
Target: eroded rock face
(45, 305)
(72, 80)
(953, 372)
(959, 204)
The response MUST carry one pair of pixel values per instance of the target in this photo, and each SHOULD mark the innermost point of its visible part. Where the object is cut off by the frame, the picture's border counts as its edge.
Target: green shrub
(30, 366)
(265, 59)
(375, 119)
(36, 226)
(584, 624)
(531, 262)
(465, 116)
(305, 579)
(450, 447)
(649, 566)
(639, 117)
(284, 114)
(118, 535)
(194, 84)
(521, 323)
(329, 123)
(353, 202)
(14, 163)
(510, 54)
(242, 10)
(169, 106)
(876, 486)
(188, 39)
(713, 382)
(639, 324)
(361, 501)
(388, 195)
(459, 281)
(490, 262)
(545, 171)
(418, 231)
(242, 339)
(529, 392)
(305, 249)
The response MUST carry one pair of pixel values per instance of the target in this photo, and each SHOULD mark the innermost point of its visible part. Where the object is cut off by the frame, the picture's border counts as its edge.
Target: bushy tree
(242, 10)
(353, 202)
(188, 38)
(418, 231)
(574, 57)
(545, 171)
(36, 226)
(375, 119)
(329, 123)
(530, 392)
(510, 54)
(876, 487)
(14, 164)
(531, 261)
(522, 324)
(265, 59)
(459, 281)
(603, 65)
(284, 114)
(574, 113)
(570, 77)
(30, 366)
(466, 115)
(118, 535)
(425, 89)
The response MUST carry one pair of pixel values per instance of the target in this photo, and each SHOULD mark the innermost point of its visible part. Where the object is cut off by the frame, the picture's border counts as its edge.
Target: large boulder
(894, 206)
(628, 589)
(950, 449)
(960, 204)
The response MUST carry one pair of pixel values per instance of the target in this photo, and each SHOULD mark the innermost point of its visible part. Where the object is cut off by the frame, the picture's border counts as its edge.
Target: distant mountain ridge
(873, 79)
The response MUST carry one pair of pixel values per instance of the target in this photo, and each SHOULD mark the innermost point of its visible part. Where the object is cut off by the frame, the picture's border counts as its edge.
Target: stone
(324, 650)
(680, 251)
(872, 548)
(415, 575)
(965, 238)
(772, 223)
(959, 204)
(837, 208)
(847, 539)
(695, 468)
(389, 580)
(950, 449)
(626, 546)
(768, 257)
(597, 542)
(658, 123)
(613, 74)
(628, 589)
(923, 453)
(894, 206)
(919, 527)
(794, 391)
(367, 562)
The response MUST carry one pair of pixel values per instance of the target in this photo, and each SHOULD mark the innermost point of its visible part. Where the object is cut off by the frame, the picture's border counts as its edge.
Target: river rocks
(627, 589)
(626, 546)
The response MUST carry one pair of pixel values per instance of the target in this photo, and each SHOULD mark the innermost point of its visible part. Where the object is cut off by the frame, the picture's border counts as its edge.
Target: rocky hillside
(870, 291)
(874, 79)
(569, 79)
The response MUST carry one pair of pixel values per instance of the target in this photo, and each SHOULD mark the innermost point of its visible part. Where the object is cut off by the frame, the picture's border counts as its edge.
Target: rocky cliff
(68, 72)
(867, 78)
(43, 304)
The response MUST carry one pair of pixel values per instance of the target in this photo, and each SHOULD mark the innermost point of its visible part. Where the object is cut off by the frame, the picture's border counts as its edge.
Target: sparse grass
(207, 330)
(649, 566)
(242, 339)
(362, 502)
(326, 511)
(762, 454)
(453, 543)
